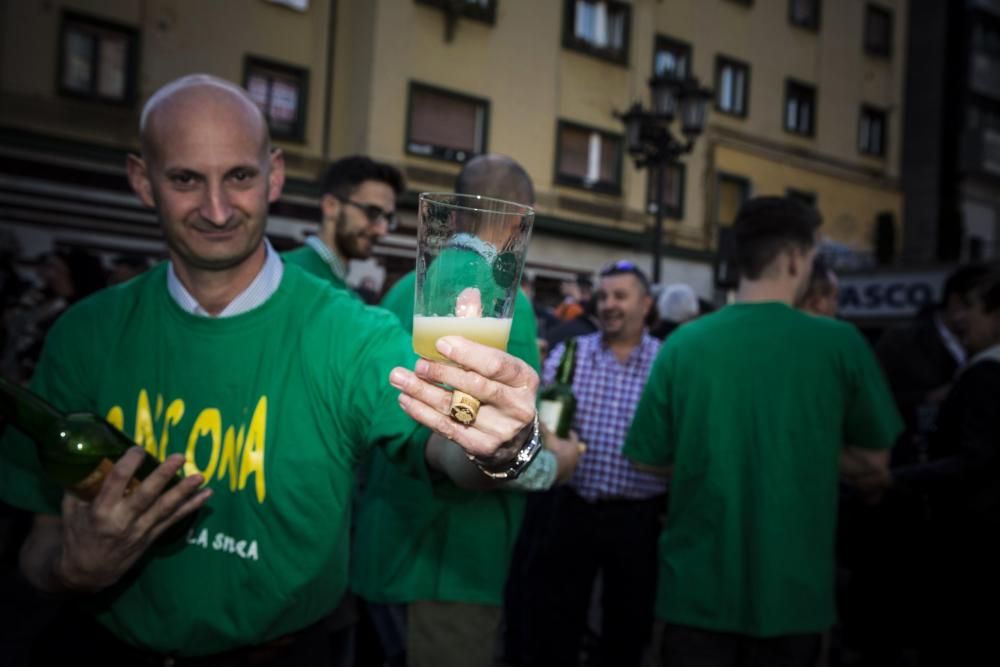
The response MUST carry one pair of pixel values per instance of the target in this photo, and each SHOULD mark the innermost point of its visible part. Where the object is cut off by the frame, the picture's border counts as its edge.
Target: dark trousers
(690, 647)
(525, 579)
(618, 539)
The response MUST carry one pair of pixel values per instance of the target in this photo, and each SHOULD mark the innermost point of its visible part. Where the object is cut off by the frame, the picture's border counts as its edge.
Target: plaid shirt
(607, 393)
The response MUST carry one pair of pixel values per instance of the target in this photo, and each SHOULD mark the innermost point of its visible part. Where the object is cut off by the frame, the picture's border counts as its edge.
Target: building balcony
(984, 75)
(988, 6)
(980, 152)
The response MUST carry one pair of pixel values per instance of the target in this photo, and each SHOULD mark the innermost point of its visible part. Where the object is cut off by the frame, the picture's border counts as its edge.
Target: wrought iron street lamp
(654, 143)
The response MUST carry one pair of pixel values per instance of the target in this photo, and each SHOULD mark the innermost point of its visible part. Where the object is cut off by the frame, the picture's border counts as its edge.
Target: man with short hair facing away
(359, 208)
(753, 408)
(434, 560)
(606, 519)
(266, 385)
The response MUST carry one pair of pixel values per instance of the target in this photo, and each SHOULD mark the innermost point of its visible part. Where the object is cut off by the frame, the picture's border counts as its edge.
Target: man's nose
(216, 207)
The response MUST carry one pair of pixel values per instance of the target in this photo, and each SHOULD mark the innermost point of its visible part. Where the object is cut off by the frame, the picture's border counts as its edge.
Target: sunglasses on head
(621, 266)
(624, 266)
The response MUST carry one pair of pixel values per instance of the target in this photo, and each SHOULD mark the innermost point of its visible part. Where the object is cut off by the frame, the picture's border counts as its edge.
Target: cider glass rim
(469, 201)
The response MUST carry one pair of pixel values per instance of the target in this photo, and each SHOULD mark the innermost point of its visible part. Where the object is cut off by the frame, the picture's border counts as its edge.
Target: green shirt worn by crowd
(309, 259)
(752, 406)
(275, 407)
(417, 542)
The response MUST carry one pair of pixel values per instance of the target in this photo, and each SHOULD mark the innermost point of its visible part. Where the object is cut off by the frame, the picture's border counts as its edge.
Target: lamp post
(654, 144)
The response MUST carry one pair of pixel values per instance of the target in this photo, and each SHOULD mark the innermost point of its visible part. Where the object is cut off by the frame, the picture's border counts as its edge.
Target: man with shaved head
(435, 560)
(267, 386)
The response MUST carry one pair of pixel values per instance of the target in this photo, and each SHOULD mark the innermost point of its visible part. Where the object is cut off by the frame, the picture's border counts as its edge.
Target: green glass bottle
(556, 402)
(76, 450)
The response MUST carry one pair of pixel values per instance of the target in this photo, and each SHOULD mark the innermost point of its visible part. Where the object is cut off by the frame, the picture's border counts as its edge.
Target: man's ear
(276, 177)
(138, 178)
(330, 206)
(647, 300)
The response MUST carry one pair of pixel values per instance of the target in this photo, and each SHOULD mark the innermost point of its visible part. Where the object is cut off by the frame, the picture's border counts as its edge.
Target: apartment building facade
(807, 102)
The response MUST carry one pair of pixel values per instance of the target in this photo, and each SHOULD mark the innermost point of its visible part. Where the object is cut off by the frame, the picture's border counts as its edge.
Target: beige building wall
(847, 204)
(531, 81)
(833, 61)
(176, 37)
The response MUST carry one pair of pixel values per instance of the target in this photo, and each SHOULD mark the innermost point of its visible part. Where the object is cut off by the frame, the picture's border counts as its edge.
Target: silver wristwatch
(521, 460)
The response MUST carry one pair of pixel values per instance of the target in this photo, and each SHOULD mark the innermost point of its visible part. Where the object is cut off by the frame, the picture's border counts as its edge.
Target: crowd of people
(734, 480)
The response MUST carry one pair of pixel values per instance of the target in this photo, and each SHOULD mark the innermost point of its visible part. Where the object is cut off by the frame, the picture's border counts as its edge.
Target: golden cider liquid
(491, 331)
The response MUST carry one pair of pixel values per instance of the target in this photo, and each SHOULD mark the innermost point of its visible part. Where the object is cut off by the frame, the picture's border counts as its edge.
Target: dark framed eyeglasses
(373, 213)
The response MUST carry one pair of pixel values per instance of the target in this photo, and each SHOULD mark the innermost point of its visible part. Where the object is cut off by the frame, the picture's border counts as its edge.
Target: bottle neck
(567, 363)
(26, 411)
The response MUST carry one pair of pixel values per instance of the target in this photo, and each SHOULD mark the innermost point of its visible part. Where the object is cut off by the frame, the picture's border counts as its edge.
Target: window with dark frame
(731, 192)
(598, 28)
(803, 196)
(800, 108)
(805, 13)
(479, 10)
(673, 176)
(97, 59)
(280, 92)
(878, 31)
(588, 158)
(445, 125)
(672, 58)
(872, 131)
(732, 86)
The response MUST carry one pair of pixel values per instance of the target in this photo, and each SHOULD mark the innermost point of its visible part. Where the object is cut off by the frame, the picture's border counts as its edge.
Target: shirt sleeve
(649, 439)
(371, 404)
(871, 420)
(524, 333)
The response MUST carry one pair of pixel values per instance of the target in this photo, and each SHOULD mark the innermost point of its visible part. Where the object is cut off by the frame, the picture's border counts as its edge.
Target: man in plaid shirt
(607, 518)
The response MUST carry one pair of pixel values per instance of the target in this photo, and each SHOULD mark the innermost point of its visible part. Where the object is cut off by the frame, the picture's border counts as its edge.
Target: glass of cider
(470, 252)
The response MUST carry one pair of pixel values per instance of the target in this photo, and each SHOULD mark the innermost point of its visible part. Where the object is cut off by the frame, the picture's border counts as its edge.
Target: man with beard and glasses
(359, 208)
(606, 519)
(267, 385)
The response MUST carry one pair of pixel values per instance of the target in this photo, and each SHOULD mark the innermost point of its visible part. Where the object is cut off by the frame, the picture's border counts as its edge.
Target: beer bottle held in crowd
(557, 404)
(76, 450)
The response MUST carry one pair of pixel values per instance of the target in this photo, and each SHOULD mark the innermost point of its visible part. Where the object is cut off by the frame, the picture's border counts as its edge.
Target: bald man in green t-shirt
(266, 385)
(443, 552)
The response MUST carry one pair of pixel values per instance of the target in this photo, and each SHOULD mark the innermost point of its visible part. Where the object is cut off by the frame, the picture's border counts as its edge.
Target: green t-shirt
(456, 268)
(309, 259)
(752, 405)
(417, 542)
(275, 407)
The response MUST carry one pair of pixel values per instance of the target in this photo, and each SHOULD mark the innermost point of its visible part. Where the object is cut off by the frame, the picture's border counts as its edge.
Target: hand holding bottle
(567, 450)
(102, 538)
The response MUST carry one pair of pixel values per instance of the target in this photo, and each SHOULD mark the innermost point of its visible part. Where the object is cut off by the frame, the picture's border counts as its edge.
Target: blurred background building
(951, 154)
(808, 103)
